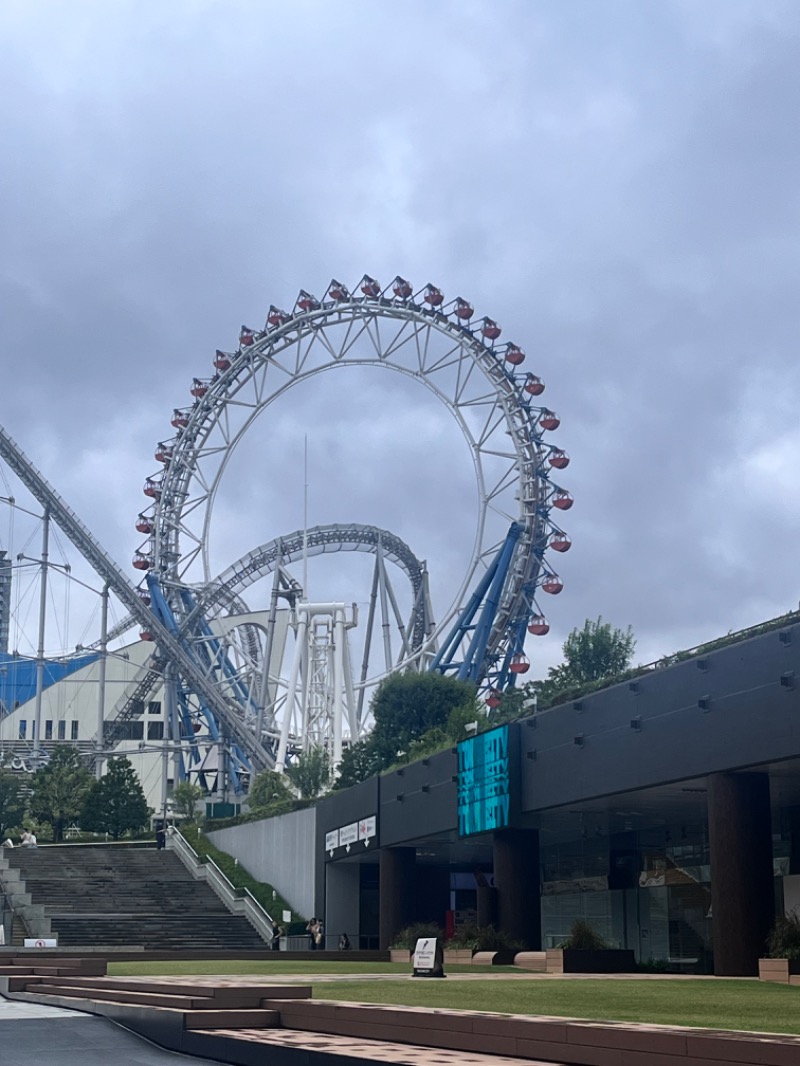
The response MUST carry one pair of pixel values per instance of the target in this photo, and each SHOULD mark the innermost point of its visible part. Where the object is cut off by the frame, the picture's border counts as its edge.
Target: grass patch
(710, 1004)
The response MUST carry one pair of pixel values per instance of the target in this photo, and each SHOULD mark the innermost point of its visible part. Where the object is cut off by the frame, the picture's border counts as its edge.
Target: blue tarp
(18, 676)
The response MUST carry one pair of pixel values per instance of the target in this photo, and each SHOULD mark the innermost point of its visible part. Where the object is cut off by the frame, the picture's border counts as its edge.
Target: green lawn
(706, 1002)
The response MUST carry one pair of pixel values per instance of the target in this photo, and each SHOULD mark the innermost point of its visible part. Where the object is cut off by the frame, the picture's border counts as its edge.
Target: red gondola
(463, 309)
(222, 360)
(142, 561)
(370, 287)
(560, 542)
(163, 452)
(549, 419)
(276, 317)
(491, 330)
(514, 354)
(180, 418)
(145, 634)
(246, 337)
(538, 626)
(533, 386)
(307, 302)
(493, 700)
(401, 288)
(520, 664)
(563, 500)
(199, 388)
(552, 584)
(152, 489)
(144, 596)
(338, 292)
(558, 459)
(144, 524)
(433, 296)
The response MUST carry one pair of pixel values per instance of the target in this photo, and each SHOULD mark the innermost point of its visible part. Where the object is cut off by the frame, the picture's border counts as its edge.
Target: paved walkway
(34, 1035)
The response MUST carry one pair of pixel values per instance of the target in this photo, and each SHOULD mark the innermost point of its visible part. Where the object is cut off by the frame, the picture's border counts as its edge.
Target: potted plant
(782, 961)
(585, 951)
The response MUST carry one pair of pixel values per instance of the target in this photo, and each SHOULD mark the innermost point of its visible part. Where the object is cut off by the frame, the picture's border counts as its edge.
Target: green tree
(116, 803)
(12, 802)
(310, 773)
(270, 794)
(185, 797)
(59, 789)
(597, 651)
(407, 705)
(359, 762)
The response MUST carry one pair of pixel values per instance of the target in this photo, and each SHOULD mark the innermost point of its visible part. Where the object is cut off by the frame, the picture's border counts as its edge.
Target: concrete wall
(279, 851)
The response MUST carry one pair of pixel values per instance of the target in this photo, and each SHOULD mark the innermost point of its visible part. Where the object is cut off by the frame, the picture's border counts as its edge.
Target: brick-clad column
(742, 900)
(516, 879)
(395, 892)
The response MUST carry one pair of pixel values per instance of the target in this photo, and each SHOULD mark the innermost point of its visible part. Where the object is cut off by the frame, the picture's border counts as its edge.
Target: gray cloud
(616, 184)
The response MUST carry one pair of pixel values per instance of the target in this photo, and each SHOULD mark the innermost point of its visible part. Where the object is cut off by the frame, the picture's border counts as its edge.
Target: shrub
(582, 937)
(484, 938)
(408, 937)
(784, 940)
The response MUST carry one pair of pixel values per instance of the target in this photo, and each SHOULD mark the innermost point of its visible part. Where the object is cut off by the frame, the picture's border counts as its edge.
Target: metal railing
(237, 900)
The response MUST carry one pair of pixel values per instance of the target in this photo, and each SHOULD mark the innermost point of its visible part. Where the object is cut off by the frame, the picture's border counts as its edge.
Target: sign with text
(358, 834)
(486, 778)
(428, 958)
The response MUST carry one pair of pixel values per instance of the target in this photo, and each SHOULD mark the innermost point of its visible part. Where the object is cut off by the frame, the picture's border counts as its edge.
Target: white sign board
(367, 828)
(332, 840)
(425, 953)
(287, 916)
(348, 834)
(41, 942)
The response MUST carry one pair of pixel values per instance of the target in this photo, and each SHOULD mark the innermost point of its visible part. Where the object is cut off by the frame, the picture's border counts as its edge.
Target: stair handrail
(237, 900)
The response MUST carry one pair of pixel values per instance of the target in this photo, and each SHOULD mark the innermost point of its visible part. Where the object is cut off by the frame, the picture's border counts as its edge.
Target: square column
(742, 883)
(516, 878)
(396, 893)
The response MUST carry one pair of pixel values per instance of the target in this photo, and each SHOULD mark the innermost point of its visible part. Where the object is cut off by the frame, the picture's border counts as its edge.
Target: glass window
(74, 731)
(62, 730)
(155, 730)
(154, 707)
(48, 730)
(23, 729)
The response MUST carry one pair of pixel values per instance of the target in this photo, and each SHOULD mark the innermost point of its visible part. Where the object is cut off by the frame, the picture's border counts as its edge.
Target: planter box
(605, 960)
(458, 956)
(399, 955)
(779, 970)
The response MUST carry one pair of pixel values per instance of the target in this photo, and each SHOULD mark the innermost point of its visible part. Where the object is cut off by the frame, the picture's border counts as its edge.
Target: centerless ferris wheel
(479, 636)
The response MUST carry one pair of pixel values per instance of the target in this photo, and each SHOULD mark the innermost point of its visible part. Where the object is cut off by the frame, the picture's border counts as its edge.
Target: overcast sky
(616, 182)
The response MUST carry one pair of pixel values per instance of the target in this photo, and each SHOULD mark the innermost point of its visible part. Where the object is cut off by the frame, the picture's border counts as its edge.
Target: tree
(310, 773)
(12, 802)
(59, 789)
(592, 653)
(359, 762)
(116, 803)
(407, 705)
(270, 794)
(185, 797)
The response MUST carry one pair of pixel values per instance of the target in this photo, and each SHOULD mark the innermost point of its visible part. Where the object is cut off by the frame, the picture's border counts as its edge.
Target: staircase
(129, 898)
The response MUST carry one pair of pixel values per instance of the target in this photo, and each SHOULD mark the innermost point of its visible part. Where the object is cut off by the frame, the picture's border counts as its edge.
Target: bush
(784, 940)
(408, 937)
(582, 937)
(484, 938)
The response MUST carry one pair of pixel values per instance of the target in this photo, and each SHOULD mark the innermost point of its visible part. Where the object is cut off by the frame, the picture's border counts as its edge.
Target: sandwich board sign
(41, 942)
(428, 958)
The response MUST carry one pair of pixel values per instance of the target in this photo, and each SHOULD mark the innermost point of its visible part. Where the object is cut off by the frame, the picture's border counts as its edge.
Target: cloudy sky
(616, 182)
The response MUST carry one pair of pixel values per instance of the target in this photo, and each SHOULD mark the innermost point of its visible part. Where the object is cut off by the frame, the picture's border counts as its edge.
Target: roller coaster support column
(488, 593)
(37, 714)
(101, 680)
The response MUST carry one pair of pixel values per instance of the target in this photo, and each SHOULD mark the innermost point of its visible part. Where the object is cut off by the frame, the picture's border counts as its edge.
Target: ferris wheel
(439, 344)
